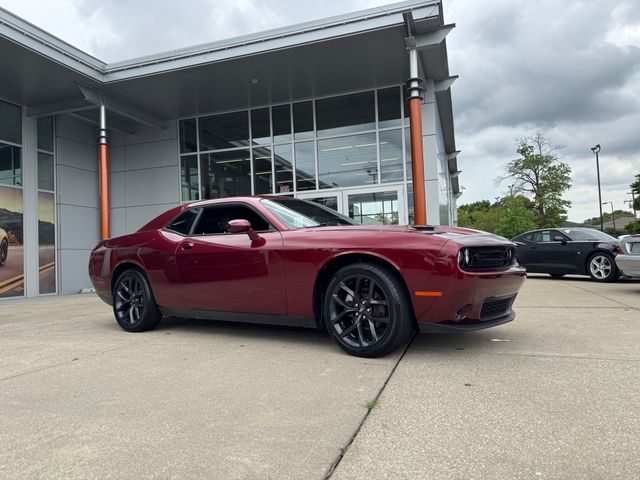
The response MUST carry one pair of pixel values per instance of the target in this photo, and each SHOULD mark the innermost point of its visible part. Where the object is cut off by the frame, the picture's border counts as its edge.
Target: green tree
(478, 215)
(635, 188)
(516, 216)
(539, 174)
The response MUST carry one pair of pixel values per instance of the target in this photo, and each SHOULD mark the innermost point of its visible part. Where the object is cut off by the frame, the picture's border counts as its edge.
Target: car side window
(214, 219)
(528, 237)
(546, 236)
(183, 222)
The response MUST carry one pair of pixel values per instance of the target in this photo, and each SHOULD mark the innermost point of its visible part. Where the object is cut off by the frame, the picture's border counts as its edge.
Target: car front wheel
(602, 268)
(366, 310)
(134, 307)
(4, 250)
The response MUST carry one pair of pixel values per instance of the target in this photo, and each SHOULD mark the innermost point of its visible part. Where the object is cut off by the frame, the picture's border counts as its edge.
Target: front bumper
(465, 327)
(629, 264)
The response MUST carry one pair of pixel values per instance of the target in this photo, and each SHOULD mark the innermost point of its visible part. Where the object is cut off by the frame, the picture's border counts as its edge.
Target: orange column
(103, 159)
(417, 161)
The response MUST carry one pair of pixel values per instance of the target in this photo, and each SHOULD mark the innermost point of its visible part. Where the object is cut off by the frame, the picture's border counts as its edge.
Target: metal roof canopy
(351, 52)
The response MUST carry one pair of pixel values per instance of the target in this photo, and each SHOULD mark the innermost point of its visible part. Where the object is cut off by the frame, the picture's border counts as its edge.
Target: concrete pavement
(551, 395)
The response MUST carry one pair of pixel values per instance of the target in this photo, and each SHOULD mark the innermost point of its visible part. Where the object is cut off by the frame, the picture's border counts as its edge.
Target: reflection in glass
(305, 166)
(346, 114)
(189, 177)
(283, 160)
(348, 161)
(188, 136)
(228, 130)
(11, 242)
(45, 133)
(10, 123)
(303, 120)
(45, 171)
(225, 174)
(389, 113)
(10, 165)
(407, 146)
(262, 174)
(391, 164)
(379, 208)
(331, 202)
(260, 126)
(46, 242)
(281, 117)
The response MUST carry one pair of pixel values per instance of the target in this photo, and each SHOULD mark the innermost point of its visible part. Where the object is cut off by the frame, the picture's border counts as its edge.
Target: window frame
(272, 227)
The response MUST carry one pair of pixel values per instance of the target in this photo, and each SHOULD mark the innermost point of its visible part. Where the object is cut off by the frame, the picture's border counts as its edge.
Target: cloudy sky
(569, 68)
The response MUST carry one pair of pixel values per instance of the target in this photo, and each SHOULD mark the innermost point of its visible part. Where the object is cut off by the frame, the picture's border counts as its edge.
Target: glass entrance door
(368, 206)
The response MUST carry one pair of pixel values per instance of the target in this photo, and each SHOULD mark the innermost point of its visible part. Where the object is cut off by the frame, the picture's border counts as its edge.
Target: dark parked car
(293, 262)
(4, 246)
(561, 251)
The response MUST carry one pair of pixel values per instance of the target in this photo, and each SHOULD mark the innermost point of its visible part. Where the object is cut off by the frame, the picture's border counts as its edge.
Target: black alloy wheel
(602, 267)
(134, 307)
(366, 310)
(4, 250)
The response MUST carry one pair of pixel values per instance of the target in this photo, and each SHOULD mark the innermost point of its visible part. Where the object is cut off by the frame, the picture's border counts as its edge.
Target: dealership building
(352, 111)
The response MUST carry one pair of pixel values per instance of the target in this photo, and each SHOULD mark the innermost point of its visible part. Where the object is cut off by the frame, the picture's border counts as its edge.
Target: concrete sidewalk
(555, 397)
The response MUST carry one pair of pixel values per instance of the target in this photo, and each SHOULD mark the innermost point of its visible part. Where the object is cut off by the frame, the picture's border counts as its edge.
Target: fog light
(463, 312)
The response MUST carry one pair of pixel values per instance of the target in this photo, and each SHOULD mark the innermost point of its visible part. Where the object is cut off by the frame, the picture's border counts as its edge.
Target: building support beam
(415, 122)
(103, 159)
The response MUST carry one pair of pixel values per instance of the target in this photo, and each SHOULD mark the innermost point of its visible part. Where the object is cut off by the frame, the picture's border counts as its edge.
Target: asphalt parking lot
(553, 394)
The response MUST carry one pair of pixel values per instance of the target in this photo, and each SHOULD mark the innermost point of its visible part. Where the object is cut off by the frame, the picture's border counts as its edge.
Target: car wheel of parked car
(602, 267)
(366, 310)
(4, 250)
(133, 303)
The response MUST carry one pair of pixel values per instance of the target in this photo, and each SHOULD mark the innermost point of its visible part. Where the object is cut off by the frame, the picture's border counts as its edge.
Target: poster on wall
(11, 242)
(46, 242)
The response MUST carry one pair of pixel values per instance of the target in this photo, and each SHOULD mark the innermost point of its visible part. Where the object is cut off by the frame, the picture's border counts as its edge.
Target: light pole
(596, 151)
(632, 202)
(613, 216)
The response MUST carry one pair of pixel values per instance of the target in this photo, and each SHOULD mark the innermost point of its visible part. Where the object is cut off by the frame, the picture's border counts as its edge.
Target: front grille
(494, 308)
(477, 258)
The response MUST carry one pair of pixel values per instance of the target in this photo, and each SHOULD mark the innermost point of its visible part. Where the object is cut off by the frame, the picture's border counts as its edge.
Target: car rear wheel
(602, 268)
(366, 310)
(4, 250)
(134, 307)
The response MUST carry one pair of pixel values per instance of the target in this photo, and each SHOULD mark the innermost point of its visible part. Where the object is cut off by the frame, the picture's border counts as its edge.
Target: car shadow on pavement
(456, 342)
(576, 278)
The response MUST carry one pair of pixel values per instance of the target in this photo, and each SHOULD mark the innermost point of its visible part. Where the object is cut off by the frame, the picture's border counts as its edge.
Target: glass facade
(353, 140)
(46, 206)
(11, 202)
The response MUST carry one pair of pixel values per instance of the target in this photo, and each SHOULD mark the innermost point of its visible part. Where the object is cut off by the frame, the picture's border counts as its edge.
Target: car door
(225, 272)
(553, 252)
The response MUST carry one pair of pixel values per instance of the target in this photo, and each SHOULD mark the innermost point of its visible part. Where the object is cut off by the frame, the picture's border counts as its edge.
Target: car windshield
(295, 213)
(587, 234)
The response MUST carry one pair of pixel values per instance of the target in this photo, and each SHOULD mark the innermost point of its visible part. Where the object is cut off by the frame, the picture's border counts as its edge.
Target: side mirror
(560, 239)
(242, 226)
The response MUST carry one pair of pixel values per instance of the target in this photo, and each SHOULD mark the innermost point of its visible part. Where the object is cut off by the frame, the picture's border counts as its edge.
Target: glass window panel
(348, 161)
(46, 242)
(10, 165)
(281, 116)
(305, 166)
(410, 208)
(407, 147)
(345, 114)
(389, 113)
(189, 178)
(45, 171)
(379, 208)
(262, 174)
(283, 160)
(11, 246)
(10, 123)
(228, 130)
(391, 163)
(185, 220)
(330, 202)
(188, 136)
(225, 174)
(303, 120)
(45, 133)
(260, 126)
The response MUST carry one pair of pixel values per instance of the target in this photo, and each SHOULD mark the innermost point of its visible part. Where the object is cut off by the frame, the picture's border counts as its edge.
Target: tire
(4, 251)
(134, 307)
(557, 275)
(366, 310)
(602, 267)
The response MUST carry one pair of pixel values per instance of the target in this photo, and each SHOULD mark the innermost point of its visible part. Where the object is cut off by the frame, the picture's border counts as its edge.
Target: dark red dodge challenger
(293, 262)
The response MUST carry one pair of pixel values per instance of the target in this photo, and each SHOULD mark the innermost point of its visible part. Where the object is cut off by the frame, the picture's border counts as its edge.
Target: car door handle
(187, 246)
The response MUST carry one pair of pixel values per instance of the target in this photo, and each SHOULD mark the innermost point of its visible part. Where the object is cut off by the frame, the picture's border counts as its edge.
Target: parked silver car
(629, 260)
(4, 246)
